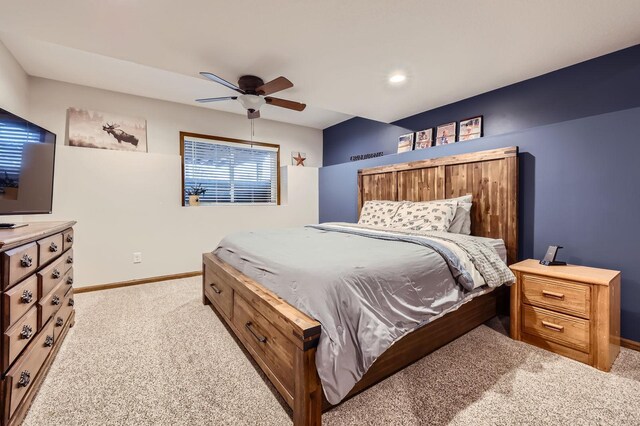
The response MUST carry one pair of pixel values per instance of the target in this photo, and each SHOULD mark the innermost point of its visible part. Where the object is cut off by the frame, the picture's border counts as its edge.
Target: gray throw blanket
(366, 288)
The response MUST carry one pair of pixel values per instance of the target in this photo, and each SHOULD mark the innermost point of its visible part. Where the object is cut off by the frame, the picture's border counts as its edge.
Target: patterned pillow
(378, 213)
(431, 216)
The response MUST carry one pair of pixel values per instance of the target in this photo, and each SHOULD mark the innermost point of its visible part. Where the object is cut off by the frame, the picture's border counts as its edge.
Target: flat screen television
(27, 157)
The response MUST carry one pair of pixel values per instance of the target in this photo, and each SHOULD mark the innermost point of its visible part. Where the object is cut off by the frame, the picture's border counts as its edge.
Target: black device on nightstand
(550, 257)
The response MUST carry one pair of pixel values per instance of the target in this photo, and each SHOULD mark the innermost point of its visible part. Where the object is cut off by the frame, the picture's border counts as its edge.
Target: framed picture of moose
(94, 129)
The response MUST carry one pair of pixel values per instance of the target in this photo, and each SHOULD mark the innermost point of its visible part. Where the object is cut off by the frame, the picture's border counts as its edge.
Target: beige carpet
(154, 355)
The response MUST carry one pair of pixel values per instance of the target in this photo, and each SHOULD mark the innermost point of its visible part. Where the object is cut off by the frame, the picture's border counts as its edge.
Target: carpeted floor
(154, 355)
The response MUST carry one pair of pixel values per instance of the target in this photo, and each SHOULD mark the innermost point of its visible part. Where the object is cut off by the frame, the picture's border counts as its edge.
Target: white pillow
(428, 216)
(378, 213)
(461, 223)
(466, 227)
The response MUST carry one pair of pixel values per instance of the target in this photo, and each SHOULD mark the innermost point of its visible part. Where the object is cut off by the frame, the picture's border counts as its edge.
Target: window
(232, 171)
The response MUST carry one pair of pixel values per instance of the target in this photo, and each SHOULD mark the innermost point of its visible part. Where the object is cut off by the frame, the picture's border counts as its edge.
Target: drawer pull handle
(59, 322)
(25, 378)
(71, 302)
(27, 296)
(553, 295)
(69, 238)
(552, 326)
(216, 289)
(55, 300)
(26, 261)
(70, 259)
(55, 273)
(26, 332)
(70, 280)
(53, 248)
(258, 337)
(48, 341)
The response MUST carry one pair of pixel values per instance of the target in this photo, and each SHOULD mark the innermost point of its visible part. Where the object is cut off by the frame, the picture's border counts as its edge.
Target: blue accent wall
(605, 84)
(577, 130)
(359, 136)
(579, 188)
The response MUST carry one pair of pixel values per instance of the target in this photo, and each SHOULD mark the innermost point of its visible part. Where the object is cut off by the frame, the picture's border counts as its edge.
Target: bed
(284, 339)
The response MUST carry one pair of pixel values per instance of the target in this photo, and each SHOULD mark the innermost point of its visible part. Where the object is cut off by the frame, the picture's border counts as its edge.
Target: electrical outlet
(137, 257)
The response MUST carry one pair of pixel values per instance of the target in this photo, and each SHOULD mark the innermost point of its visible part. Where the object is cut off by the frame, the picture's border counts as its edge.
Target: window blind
(231, 172)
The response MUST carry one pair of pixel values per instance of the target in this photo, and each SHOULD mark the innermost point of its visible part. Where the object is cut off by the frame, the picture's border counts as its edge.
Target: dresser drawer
(18, 263)
(219, 293)
(68, 279)
(50, 276)
(49, 248)
(556, 327)
(17, 301)
(61, 318)
(23, 373)
(558, 295)
(16, 338)
(49, 305)
(268, 343)
(67, 239)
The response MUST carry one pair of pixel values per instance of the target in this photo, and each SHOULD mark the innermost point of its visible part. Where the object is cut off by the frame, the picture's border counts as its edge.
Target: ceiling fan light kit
(253, 102)
(254, 93)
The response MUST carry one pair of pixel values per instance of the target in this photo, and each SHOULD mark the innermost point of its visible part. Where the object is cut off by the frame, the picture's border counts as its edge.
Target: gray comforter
(367, 288)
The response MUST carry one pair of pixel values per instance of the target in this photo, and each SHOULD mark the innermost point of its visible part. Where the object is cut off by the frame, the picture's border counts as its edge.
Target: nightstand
(571, 310)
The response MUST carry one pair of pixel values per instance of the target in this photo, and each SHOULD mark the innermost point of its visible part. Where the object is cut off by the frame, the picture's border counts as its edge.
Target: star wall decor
(297, 158)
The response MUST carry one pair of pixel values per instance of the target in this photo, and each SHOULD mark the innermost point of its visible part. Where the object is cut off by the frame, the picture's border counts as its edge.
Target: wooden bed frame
(282, 340)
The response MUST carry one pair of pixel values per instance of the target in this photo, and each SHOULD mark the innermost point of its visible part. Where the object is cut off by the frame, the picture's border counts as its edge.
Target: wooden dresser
(570, 310)
(36, 277)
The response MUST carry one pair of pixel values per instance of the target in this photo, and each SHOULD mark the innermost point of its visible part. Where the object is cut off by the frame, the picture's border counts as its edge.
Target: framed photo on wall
(104, 130)
(405, 143)
(446, 134)
(471, 128)
(424, 139)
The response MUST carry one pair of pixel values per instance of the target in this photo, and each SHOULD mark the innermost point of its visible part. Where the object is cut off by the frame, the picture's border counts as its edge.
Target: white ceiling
(338, 53)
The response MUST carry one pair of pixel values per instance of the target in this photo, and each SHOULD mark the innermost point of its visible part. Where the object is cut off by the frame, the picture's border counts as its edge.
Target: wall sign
(366, 156)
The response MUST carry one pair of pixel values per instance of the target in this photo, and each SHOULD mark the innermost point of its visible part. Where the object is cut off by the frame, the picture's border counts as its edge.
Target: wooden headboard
(491, 176)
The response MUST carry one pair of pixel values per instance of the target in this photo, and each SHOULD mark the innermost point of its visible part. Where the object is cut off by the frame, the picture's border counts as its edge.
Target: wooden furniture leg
(307, 401)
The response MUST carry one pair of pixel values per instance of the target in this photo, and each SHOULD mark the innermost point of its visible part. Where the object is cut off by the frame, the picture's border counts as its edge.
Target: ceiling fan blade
(283, 103)
(225, 98)
(222, 81)
(251, 115)
(274, 86)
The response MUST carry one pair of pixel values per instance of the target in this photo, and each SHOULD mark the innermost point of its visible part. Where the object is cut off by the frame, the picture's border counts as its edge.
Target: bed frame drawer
(219, 292)
(266, 341)
(559, 295)
(559, 328)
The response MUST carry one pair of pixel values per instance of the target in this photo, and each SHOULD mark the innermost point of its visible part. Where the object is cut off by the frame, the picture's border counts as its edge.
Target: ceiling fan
(254, 93)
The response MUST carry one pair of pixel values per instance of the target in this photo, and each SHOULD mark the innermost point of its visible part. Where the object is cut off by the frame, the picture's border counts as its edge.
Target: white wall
(130, 202)
(13, 84)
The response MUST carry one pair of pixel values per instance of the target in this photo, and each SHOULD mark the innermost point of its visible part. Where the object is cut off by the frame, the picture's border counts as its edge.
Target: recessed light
(397, 78)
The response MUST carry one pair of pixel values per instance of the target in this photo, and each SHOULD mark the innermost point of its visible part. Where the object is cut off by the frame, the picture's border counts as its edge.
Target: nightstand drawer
(558, 295)
(555, 327)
